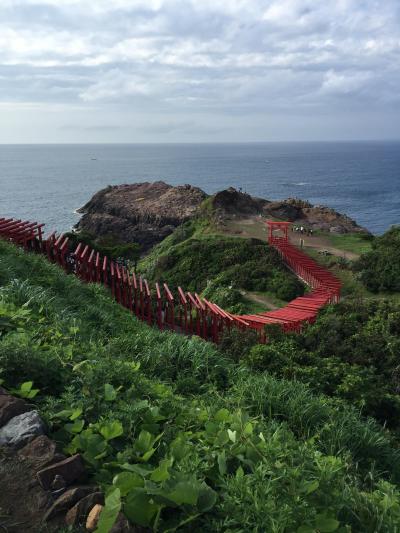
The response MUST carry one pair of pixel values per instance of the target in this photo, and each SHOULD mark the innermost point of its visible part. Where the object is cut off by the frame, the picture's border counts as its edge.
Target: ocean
(47, 183)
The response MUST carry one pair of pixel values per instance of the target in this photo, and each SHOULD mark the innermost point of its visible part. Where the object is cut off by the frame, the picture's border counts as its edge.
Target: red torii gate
(274, 225)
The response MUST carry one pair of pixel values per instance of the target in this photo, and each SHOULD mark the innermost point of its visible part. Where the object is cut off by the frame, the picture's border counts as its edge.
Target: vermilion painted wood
(196, 315)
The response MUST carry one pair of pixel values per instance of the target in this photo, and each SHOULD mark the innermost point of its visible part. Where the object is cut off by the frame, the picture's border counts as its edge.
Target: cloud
(185, 57)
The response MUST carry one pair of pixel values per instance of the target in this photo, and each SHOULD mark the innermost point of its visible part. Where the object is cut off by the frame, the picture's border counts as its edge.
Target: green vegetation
(357, 243)
(219, 267)
(108, 245)
(181, 436)
(351, 353)
(379, 269)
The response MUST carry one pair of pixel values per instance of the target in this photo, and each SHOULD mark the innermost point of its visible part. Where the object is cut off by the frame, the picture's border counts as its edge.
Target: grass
(212, 445)
(357, 243)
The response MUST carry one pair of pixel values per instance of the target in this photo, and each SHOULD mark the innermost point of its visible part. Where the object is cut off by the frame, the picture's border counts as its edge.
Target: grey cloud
(175, 60)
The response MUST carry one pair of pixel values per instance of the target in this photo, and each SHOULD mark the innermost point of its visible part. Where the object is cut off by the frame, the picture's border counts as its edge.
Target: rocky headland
(148, 212)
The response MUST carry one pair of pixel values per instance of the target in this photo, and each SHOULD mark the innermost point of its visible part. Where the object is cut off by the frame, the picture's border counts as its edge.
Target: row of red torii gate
(184, 312)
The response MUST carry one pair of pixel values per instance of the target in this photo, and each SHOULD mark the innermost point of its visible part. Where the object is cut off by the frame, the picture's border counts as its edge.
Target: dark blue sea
(48, 182)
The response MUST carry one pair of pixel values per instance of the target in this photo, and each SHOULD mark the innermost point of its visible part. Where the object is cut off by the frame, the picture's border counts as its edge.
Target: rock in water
(21, 429)
(145, 213)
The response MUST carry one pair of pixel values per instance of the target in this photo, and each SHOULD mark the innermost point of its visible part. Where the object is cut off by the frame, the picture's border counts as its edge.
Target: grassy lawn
(349, 242)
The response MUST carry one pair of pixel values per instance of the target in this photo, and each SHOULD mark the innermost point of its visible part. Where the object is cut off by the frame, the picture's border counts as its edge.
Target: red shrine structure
(274, 226)
(184, 312)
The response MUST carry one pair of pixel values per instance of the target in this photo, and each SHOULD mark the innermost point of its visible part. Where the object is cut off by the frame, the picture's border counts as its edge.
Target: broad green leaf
(222, 415)
(248, 428)
(222, 463)
(178, 448)
(136, 468)
(110, 511)
(207, 498)
(26, 387)
(76, 413)
(305, 529)
(109, 393)
(76, 427)
(222, 438)
(325, 524)
(140, 508)
(184, 492)
(126, 481)
(111, 430)
(161, 473)
(310, 486)
(144, 442)
(146, 456)
(65, 414)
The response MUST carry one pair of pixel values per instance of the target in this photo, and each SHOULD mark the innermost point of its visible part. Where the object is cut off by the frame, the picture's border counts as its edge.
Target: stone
(21, 429)
(10, 407)
(93, 517)
(58, 483)
(71, 469)
(80, 511)
(41, 451)
(67, 500)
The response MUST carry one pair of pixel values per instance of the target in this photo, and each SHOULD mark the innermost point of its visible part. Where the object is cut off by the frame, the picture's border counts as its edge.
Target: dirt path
(260, 299)
(255, 227)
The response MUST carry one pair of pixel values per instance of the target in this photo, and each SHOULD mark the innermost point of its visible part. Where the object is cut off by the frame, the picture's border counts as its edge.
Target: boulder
(10, 407)
(41, 451)
(80, 511)
(145, 213)
(70, 469)
(66, 501)
(21, 429)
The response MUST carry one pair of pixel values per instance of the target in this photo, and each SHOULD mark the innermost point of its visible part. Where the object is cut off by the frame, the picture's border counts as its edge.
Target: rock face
(21, 429)
(10, 407)
(70, 469)
(148, 212)
(143, 212)
(235, 204)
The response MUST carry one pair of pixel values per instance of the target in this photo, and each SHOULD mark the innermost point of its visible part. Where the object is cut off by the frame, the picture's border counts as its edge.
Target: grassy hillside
(220, 267)
(183, 437)
(379, 269)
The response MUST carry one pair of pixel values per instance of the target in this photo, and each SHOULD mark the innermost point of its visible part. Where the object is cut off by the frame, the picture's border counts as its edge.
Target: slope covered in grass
(220, 267)
(177, 432)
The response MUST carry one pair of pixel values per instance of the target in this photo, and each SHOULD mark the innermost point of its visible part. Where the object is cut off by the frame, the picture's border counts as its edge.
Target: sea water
(47, 183)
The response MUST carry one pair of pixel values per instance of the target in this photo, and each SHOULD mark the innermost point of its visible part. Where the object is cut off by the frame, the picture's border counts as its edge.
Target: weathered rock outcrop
(236, 204)
(148, 212)
(143, 212)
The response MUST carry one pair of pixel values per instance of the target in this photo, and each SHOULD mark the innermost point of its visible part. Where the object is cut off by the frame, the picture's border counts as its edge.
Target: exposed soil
(22, 501)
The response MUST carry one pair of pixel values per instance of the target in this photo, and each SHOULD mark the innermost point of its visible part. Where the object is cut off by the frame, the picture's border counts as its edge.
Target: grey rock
(21, 429)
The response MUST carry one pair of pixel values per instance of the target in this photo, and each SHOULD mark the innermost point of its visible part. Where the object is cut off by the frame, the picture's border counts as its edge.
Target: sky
(199, 71)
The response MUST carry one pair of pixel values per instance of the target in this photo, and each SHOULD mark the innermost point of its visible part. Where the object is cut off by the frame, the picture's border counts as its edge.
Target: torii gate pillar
(277, 226)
